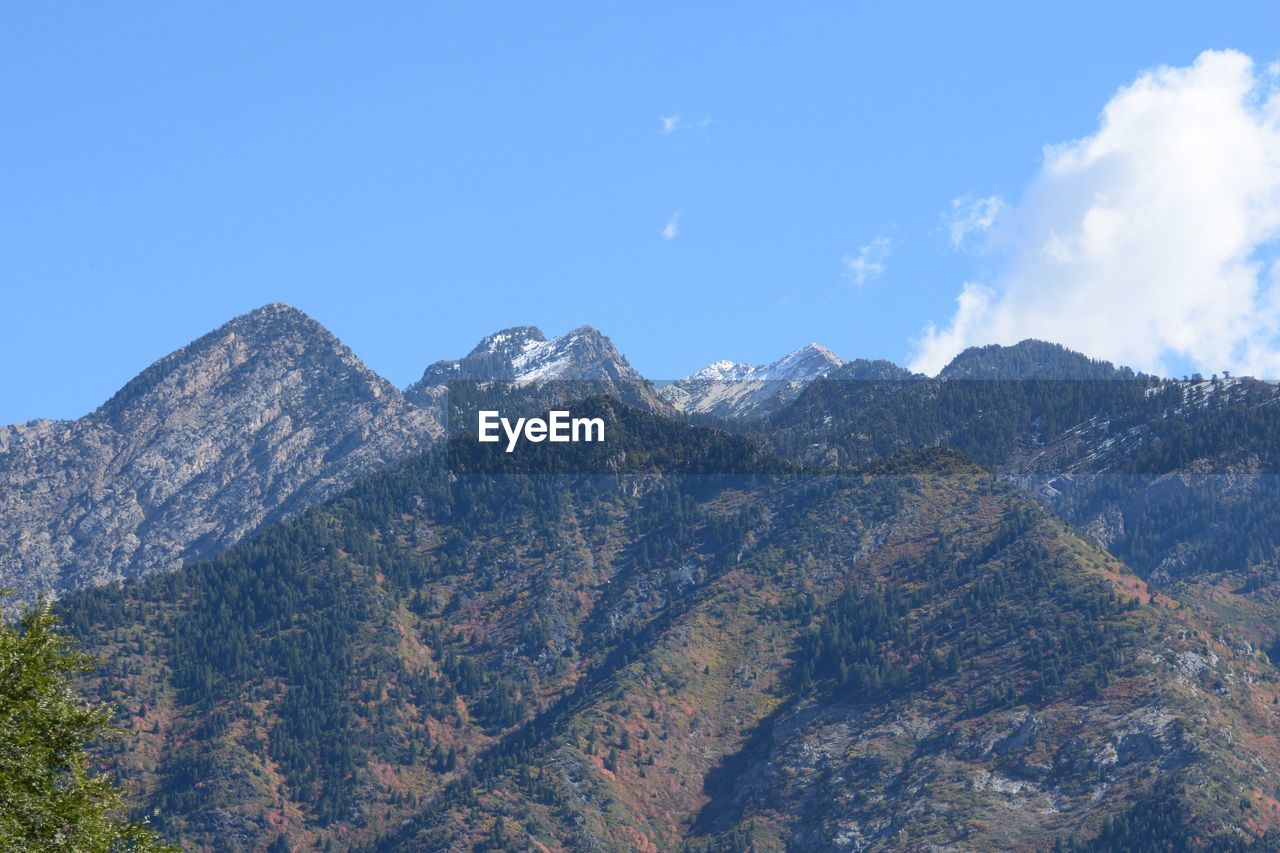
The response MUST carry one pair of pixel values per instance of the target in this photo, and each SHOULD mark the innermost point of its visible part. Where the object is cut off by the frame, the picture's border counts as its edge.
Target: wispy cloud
(672, 228)
(971, 216)
(868, 263)
(1151, 241)
(672, 123)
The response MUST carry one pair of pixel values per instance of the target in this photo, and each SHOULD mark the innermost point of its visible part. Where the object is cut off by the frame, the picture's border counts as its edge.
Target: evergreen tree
(50, 798)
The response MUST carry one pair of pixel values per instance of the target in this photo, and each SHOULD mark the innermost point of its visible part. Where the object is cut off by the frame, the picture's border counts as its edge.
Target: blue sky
(416, 176)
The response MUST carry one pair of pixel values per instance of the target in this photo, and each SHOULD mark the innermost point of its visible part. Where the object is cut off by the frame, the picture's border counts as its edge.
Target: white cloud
(971, 305)
(672, 228)
(672, 123)
(868, 263)
(969, 216)
(1145, 243)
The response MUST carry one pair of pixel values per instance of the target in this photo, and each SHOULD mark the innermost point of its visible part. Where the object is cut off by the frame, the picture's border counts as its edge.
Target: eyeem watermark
(558, 426)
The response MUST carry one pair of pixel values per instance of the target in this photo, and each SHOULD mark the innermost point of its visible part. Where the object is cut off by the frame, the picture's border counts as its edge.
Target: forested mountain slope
(679, 641)
(1176, 477)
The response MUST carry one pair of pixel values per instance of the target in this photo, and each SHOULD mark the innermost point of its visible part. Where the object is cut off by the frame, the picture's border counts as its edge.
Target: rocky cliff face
(730, 389)
(249, 423)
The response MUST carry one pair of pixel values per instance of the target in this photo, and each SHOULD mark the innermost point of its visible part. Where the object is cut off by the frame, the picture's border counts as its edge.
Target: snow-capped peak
(736, 389)
(508, 341)
(524, 356)
(805, 364)
(724, 371)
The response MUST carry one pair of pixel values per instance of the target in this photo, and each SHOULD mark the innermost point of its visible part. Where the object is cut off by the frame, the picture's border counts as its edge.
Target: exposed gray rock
(250, 423)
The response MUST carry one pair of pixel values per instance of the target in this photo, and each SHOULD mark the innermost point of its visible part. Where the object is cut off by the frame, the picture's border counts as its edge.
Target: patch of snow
(734, 387)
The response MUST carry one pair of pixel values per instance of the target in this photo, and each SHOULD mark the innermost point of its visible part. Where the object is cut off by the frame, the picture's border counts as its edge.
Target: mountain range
(271, 413)
(818, 604)
(249, 424)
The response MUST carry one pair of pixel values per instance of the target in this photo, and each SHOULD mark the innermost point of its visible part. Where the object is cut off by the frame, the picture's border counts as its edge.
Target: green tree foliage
(1159, 822)
(1216, 432)
(1008, 602)
(298, 620)
(50, 796)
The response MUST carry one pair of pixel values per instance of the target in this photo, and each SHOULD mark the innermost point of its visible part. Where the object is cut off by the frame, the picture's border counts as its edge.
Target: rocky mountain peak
(524, 356)
(582, 353)
(805, 364)
(731, 389)
(274, 313)
(723, 371)
(276, 349)
(509, 341)
(267, 324)
(265, 414)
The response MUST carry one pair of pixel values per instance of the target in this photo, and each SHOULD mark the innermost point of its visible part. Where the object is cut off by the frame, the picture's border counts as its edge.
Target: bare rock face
(252, 422)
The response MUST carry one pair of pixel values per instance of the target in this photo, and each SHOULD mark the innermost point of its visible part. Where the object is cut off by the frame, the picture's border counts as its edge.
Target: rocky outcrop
(250, 423)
